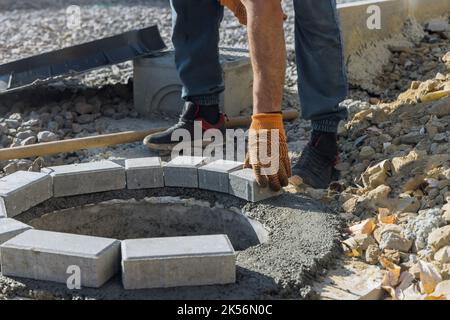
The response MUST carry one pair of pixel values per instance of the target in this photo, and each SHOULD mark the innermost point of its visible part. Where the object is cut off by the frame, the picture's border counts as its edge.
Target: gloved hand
(267, 151)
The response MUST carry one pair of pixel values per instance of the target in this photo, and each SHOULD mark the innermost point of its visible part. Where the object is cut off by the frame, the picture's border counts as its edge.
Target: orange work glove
(268, 152)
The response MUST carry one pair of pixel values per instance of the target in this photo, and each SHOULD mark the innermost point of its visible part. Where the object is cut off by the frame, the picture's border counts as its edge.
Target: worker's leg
(268, 54)
(322, 85)
(322, 77)
(196, 41)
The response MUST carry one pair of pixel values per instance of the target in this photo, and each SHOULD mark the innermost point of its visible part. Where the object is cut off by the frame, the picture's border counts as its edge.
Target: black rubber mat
(52, 66)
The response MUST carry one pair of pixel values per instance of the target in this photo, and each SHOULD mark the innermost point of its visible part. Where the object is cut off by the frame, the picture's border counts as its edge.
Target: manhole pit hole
(153, 218)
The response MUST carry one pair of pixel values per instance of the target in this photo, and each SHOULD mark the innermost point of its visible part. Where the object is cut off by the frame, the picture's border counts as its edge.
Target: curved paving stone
(214, 175)
(177, 261)
(22, 190)
(303, 240)
(83, 178)
(183, 172)
(144, 173)
(9, 228)
(243, 185)
(45, 255)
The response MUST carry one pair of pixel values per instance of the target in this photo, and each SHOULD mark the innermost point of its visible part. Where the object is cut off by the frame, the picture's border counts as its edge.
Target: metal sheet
(51, 66)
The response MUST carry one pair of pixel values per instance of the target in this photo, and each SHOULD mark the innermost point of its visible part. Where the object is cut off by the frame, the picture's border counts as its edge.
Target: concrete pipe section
(162, 242)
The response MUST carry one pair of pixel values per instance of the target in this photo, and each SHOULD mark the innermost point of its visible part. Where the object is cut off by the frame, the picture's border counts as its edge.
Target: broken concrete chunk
(386, 228)
(398, 163)
(376, 175)
(391, 255)
(23, 190)
(379, 194)
(350, 204)
(364, 241)
(442, 290)
(446, 216)
(407, 204)
(443, 255)
(372, 255)
(419, 228)
(395, 241)
(439, 238)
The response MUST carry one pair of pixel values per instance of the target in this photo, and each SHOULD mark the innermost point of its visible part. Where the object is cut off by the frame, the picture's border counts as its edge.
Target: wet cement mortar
(303, 242)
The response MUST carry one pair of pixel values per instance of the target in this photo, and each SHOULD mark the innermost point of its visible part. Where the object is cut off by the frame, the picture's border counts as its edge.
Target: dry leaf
(365, 227)
(385, 217)
(429, 277)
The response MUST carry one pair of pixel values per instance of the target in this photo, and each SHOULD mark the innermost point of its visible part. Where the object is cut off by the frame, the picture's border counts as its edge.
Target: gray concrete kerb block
(144, 173)
(85, 178)
(23, 190)
(183, 171)
(214, 176)
(243, 185)
(9, 228)
(45, 255)
(178, 261)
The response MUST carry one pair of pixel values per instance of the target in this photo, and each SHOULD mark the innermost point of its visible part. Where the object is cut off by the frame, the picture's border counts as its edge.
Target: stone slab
(84, 178)
(214, 175)
(144, 173)
(183, 172)
(243, 185)
(178, 261)
(45, 255)
(23, 190)
(9, 228)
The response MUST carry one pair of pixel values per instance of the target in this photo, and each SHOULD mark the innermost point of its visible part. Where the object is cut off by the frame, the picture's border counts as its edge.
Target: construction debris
(395, 169)
(396, 163)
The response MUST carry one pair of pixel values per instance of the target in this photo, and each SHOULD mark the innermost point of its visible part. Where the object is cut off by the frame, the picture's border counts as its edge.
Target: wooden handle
(105, 140)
